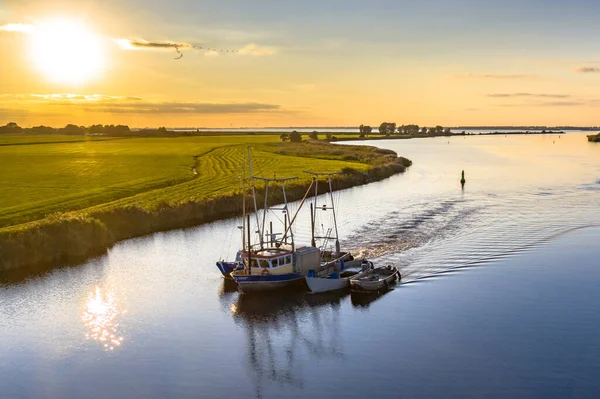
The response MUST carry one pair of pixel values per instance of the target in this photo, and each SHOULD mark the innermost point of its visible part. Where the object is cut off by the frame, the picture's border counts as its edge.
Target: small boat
(226, 267)
(339, 279)
(375, 280)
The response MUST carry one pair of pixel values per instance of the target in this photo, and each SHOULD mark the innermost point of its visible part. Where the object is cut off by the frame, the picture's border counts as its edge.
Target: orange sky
(331, 68)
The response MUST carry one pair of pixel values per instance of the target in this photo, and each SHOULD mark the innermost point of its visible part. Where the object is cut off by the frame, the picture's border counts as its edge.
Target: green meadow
(38, 180)
(66, 199)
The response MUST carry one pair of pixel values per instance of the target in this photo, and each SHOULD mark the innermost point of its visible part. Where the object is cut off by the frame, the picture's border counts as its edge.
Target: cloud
(20, 28)
(588, 70)
(531, 95)
(127, 44)
(254, 49)
(212, 53)
(80, 97)
(493, 76)
(182, 108)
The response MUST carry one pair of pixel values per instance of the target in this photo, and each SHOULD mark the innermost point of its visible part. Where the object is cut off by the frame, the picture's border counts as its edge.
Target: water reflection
(100, 316)
(365, 300)
(283, 330)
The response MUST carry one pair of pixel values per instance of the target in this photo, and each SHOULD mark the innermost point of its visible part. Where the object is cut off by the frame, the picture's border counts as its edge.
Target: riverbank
(71, 237)
(594, 138)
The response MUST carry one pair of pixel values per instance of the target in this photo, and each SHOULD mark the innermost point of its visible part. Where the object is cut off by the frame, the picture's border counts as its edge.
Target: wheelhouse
(269, 258)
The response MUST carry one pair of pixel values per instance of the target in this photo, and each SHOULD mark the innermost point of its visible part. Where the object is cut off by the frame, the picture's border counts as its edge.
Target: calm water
(499, 298)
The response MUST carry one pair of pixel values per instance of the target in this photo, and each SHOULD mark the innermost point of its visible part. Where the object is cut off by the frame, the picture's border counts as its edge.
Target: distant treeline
(74, 130)
(389, 128)
(13, 128)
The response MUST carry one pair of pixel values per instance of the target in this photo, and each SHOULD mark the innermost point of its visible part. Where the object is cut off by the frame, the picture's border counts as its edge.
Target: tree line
(70, 129)
(389, 128)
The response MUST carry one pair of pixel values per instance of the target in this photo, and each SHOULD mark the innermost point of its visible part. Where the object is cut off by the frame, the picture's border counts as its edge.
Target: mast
(244, 210)
(254, 196)
(337, 241)
(325, 207)
(249, 249)
(312, 227)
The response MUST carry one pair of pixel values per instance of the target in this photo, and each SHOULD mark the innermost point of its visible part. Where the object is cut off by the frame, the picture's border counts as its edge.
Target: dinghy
(375, 280)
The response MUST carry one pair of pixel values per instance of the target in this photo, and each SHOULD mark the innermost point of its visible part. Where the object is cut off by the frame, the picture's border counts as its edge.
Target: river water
(499, 295)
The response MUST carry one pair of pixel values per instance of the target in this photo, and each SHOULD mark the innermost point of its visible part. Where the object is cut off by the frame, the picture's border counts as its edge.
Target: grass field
(38, 180)
(64, 201)
(6, 139)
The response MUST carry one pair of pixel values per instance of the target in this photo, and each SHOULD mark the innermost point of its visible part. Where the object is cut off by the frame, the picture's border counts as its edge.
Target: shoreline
(75, 237)
(424, 136)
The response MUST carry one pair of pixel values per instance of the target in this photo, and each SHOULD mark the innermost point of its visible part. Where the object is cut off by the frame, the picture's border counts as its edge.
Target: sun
(67, 51)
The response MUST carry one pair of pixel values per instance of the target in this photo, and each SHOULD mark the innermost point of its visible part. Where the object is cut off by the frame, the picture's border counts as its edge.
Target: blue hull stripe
(269, 278)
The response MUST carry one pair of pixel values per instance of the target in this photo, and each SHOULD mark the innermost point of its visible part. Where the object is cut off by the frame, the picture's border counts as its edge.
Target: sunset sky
(299, 63)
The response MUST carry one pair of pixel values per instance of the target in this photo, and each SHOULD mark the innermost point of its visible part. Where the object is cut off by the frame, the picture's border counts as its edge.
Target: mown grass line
(71, 237)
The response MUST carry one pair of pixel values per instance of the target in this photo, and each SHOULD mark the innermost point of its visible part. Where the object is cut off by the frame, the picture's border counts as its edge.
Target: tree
(43, 130)
(313, 135)
(11, 128)
(383, 128)
(328, 136)
(72, 129)
(161, 130)
(284, 137)
(424, 130)
(364, 130)
(391, 128)
(438, 130)
(295, 137)
(447, 131)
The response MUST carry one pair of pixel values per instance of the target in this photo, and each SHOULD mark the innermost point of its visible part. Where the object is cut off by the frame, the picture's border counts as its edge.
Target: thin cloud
(19, 28)
(493, 76)
(183, 108)
(127, 44)
(81, 97)
(588, 70)
(256, 50)
(531, 95)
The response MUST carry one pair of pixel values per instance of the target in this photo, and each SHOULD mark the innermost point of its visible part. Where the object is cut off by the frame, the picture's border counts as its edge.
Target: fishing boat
(375, 280)
(336, 267)
(272, 262)
(226, 267)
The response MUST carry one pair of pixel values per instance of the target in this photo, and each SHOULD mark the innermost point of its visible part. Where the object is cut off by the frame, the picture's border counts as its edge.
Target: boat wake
(424, 240)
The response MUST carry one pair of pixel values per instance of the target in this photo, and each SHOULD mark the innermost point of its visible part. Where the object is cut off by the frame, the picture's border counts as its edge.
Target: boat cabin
(270, 260)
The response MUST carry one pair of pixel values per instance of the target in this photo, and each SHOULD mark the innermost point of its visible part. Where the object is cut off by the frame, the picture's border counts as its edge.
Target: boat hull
(318, 284)
(264, 283)
(227, 267)
(366, 286)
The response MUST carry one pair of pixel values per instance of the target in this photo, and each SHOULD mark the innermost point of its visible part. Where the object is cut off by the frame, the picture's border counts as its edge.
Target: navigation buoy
(462, 180)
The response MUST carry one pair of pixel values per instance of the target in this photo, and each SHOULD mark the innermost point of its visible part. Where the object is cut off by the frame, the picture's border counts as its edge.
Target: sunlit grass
(39, 180)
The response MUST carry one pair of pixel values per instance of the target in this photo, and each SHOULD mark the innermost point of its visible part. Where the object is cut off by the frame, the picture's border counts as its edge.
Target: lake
(499, 296)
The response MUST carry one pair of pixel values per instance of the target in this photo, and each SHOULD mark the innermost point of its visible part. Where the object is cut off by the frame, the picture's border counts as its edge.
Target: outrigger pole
(294, 218)
(324, 207)
(285, 204)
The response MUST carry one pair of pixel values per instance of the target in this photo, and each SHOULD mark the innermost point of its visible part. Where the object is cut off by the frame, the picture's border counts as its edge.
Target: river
(498, 298)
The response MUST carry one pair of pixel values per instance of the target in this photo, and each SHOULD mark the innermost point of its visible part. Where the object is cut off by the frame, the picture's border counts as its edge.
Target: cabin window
(253, 263)
(264, 263)
(288, 259)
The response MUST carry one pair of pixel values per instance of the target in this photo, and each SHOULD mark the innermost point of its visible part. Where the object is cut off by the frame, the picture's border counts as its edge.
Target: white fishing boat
(273, 262)
(336, 267)
(375, 280)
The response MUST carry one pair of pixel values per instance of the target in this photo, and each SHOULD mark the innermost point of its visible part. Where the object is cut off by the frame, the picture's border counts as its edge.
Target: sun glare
(67, 52)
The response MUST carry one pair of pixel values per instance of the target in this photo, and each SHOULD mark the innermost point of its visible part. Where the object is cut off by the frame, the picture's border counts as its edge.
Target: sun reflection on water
(100, 316)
